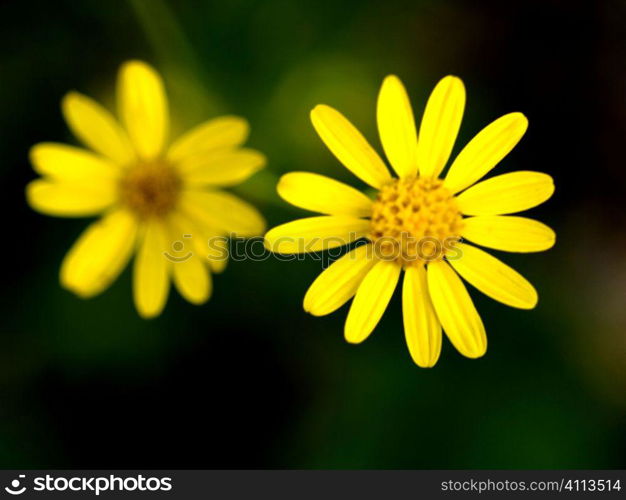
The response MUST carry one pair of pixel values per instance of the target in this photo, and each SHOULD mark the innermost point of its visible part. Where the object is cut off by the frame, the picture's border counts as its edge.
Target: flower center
(150, 189)
(415, 221)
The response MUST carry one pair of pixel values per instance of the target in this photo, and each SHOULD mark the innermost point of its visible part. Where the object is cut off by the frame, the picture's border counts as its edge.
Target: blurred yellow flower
(150, 196)
(417, 221)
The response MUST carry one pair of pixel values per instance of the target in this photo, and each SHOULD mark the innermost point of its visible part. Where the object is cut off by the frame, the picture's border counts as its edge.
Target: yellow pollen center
(150, 189)
(415, 221)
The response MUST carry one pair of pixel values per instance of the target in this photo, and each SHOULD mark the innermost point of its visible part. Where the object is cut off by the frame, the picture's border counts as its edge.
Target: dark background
(249, 380)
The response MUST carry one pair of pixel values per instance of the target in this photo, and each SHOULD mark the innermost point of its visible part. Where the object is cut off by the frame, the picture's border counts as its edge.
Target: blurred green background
(249, 380)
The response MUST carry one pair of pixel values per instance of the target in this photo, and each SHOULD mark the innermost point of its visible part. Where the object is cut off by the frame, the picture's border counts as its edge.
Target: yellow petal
(100, 254)
(190, 237)
(223, 211)
(319, 193)
(511, 234)
(225, 132)
(422, 329)
(70, 199)
(494, 278)
(151, 280)
(349, 146)
(97, 128)
(315, 233)
(396, 127)
(456, 311)
(485, 151)
(211, 245)
(185, 238)
(221, 168)
(64, 162)
(192, 279)
(506, 194)
(440, 125)
(371, 299)
(217, 253)
(143, 107)
(338, 283)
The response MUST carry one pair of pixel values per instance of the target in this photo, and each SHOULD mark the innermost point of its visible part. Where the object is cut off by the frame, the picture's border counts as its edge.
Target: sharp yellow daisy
(158, 200)
(418, 222)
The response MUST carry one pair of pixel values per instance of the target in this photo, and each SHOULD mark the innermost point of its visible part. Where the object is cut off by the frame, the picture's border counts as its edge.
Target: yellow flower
(417, 221)
(158, 200)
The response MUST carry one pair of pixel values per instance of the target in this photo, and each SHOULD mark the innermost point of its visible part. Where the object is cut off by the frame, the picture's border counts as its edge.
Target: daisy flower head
(156, 200)
(419, 221)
